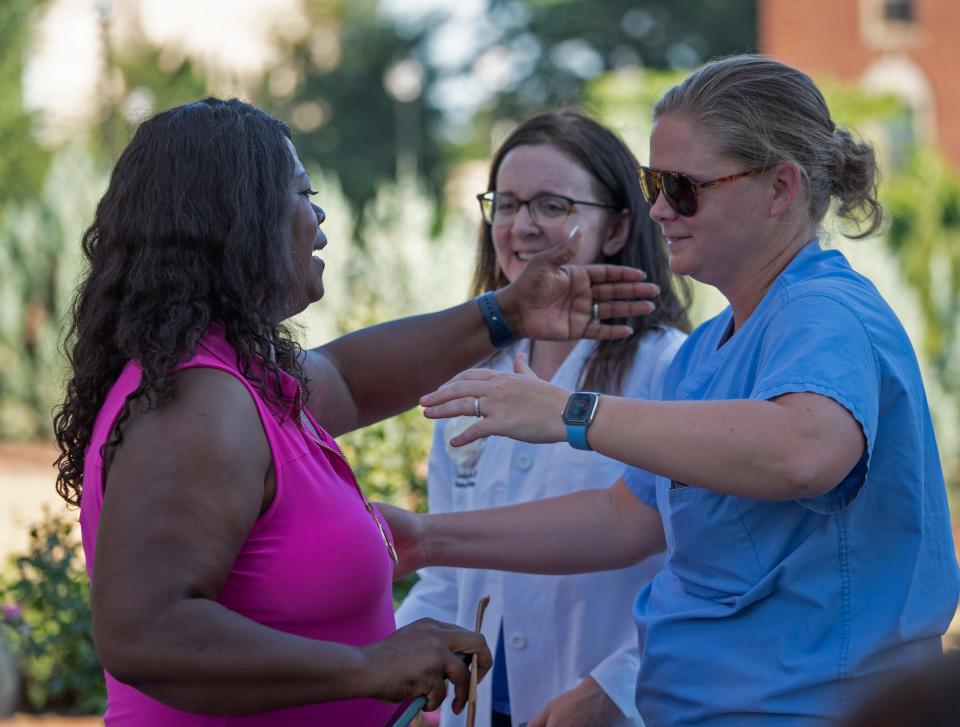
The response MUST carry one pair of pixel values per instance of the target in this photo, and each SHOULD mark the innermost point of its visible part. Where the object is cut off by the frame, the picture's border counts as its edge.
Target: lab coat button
(524, 462)
(518, 642)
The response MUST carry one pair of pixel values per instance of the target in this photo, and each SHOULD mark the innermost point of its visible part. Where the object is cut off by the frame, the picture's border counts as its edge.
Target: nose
(523, 222)
(660, 210)
(321, 215)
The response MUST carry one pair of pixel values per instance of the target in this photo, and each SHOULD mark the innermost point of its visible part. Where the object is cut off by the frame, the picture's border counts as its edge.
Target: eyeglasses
(681, 192)
(547, 210)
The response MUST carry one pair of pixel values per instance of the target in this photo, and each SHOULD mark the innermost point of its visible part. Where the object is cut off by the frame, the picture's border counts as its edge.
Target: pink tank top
(314, 563)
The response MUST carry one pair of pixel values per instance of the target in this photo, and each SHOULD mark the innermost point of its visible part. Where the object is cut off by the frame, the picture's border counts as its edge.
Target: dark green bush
(46, 622)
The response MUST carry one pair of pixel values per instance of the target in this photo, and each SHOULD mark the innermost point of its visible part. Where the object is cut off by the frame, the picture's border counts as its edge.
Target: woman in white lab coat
(566, 645)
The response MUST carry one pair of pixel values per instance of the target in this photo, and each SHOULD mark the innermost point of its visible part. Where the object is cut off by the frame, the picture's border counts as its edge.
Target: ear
(787, 183)
(617, 236)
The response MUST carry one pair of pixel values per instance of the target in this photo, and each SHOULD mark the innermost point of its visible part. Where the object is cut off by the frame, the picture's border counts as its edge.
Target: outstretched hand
(552, 300)
(518, 405)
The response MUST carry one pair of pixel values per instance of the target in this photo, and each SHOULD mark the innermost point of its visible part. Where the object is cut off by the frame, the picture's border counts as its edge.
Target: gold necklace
(314, 436)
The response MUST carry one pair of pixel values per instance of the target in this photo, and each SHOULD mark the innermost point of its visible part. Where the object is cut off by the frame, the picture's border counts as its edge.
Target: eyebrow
(303, 175)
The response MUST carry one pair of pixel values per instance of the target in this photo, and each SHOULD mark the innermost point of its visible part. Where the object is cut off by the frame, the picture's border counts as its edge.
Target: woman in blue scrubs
(797, 489)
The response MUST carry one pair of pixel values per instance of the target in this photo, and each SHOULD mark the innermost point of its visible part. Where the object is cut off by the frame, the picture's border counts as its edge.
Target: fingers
(457, 389)
(459, 675)
(484, 658)
(520, 365)
(444, 392)
(614, 291)
(539, 721)
(438, 692)
(462, 646)
(471, 434)
(626, 309)
(600, 273)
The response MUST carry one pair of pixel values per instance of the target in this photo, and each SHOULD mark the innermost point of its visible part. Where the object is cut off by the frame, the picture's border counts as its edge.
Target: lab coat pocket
(709, 548)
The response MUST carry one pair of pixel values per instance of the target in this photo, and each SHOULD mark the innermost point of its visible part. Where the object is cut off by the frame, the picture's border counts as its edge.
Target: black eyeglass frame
(569, 201)
(656, 178)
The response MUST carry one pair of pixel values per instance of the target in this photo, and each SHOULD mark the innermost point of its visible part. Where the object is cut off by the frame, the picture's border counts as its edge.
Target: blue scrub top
(777, 613)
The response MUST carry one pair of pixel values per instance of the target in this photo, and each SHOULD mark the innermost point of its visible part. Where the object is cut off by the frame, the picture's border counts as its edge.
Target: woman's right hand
(416, 660)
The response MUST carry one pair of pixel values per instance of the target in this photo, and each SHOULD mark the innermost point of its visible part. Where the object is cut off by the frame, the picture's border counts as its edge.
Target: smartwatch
(578, 415)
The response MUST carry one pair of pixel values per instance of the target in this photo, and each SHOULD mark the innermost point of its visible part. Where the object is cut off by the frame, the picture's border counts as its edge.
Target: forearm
(387, 367)
(201, 657)
(584, 531)
(749, 448)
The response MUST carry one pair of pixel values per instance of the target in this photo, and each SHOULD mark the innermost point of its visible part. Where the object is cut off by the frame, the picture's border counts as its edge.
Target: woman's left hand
(518, 405)
(586, 703)
(552, 300)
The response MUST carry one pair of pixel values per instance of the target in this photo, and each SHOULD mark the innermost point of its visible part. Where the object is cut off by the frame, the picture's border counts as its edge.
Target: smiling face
(726, 239)
(306, 239)
(529, 170)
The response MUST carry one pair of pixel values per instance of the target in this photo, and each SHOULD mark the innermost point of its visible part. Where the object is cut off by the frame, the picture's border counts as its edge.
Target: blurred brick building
(909, 48)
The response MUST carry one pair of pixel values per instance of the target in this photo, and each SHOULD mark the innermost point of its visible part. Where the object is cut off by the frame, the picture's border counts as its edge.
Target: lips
(526, 256)
(675, 238)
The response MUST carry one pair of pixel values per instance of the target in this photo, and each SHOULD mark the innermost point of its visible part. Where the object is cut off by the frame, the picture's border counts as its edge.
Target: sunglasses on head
(680, 191)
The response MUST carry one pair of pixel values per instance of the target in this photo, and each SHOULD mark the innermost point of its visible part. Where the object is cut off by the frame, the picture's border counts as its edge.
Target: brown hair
(614, 170)
(763, 112)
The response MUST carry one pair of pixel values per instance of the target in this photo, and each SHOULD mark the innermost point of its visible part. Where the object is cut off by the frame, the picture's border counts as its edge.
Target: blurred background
(396, 106)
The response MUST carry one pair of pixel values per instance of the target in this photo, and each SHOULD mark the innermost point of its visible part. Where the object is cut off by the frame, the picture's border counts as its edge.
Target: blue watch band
(577, 437)
(501, 334)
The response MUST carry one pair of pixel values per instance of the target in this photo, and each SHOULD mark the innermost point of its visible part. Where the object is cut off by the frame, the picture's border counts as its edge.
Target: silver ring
(596, 311)
(476, 407)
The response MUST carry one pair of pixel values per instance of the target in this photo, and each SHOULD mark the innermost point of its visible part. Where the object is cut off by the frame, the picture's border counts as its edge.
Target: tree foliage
(23, 163)
(923, 201)
(331, 86)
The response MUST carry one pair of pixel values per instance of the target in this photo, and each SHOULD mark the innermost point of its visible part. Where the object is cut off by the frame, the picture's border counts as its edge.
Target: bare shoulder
(204, 450)
(212, 415)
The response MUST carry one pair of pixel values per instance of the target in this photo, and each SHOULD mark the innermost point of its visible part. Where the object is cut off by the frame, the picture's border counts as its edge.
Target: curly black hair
(192, 230)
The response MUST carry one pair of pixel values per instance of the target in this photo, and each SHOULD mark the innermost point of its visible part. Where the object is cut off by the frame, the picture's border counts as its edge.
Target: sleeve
(643, 485)
(817, 344)
(617, 676)
(435, 594)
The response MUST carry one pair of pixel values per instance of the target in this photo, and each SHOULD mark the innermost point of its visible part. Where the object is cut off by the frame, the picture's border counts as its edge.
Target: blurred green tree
(23, 163)
(353, 88)
(572, 41)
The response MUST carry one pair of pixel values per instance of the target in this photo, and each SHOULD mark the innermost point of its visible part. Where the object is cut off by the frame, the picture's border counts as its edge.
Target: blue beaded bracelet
(501, 334)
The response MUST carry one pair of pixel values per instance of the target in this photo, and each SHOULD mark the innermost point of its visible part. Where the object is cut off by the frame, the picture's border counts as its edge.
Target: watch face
(580, 408)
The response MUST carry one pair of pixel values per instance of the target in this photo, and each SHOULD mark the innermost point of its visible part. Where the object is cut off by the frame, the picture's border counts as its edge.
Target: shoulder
(823, 279)
(206, 447)
(212, 415)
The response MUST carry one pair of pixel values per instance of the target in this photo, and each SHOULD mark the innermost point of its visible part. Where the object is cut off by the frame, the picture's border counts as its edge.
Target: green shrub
(46, 622)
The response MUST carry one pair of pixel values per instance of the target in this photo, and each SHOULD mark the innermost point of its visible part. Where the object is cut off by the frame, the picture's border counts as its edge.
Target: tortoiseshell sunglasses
(680, 191)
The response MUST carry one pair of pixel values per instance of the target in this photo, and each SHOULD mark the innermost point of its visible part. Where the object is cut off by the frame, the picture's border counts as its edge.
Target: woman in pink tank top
(240, 576)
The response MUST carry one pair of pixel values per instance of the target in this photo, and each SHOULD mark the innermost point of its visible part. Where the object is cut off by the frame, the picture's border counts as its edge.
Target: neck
(748, 289)
(548, 356)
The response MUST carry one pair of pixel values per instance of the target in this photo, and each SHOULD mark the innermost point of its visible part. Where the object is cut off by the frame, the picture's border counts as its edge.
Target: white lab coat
(557, 629)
